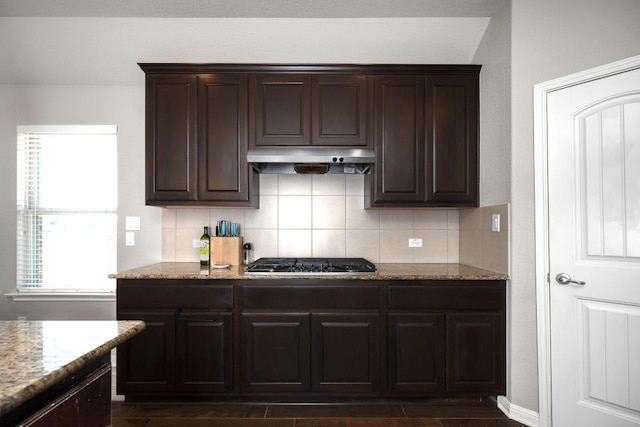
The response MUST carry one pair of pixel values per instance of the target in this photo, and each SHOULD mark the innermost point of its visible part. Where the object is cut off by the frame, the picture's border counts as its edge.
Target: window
(66, 208)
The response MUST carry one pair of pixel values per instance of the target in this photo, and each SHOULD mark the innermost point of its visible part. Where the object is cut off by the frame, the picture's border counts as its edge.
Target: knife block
(226, 250)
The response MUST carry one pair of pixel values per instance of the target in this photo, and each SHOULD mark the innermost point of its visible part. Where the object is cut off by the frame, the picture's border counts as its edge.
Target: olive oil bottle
(205, 248)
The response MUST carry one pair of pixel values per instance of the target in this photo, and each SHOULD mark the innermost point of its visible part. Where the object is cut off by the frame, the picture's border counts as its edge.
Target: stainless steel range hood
(311, 160)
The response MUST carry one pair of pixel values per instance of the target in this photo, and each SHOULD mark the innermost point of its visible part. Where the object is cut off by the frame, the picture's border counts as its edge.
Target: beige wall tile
(471, 247)
(328, 243)
(394, 219)
(294, 212)
(185, 252)
(453, 246)
(328, 185)
(169, 244)
(264, 242)
(265, 217)
(434, 246)
(355, 185)
(471, 219)
(169, 218)
(453, 219)
(363, 243)
(328, 212)
(357, 218)
(294, 185)
(394, 247)
(294, 243)
(268, 184)
(192, 218)
(430, 219)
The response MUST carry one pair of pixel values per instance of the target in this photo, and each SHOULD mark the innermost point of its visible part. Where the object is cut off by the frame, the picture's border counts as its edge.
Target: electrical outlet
(130, 238)
(22, 318)
(196, 243)
(415, 243)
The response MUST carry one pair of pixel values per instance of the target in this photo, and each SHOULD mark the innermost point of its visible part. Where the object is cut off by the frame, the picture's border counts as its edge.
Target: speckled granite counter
(35, 355)
(186, 270)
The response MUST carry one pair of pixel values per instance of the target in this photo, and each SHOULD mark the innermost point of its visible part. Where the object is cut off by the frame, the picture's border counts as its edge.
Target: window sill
(62, 296)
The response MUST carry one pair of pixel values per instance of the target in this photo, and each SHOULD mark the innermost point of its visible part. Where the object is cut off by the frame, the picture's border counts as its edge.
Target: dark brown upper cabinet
(421, 121)
(224, 176)
(304, 109)
(452, 139)
(196, 140)
(171, 147)
(426, 140)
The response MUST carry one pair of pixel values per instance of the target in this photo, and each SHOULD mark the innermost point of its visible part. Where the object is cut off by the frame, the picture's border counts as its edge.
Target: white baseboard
(518, 413)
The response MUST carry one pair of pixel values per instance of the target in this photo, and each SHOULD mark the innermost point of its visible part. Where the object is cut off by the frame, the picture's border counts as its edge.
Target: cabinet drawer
(181, 295)
(472, 295)
(310, 297)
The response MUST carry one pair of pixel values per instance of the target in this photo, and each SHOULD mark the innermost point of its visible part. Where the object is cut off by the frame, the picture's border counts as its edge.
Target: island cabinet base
(312, 340)
(82, 400)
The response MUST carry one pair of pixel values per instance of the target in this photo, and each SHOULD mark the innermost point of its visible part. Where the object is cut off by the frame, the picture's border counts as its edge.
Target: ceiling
(99, 42)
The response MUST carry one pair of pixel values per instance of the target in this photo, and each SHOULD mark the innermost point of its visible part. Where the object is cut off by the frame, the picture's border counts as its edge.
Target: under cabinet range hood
(311, 160)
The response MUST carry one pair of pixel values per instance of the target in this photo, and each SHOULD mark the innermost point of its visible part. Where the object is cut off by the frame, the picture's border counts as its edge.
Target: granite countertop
(34, 355)
(192, 270)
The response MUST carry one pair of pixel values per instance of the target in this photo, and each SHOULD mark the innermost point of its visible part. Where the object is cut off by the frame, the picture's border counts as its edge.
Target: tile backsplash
(320, 216)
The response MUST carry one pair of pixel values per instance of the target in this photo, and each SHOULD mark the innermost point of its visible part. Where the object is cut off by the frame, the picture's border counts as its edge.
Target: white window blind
(66, 208)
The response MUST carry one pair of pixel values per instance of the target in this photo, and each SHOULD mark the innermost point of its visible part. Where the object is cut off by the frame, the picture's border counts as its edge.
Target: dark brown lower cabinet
(345, 353)
(312, 339)
(311, 352)
(417, 362)
(276, 352)
(146, 363)
(476, 342)
(204, 352)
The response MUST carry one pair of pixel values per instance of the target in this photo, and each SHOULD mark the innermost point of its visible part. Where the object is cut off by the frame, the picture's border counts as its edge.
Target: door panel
(224, 175)
(339, 110)
(171, 137)
(345, 353)
(276, 352)
(399, 139)
(204, 352)
(594, 230)
(417, 353)
(282, 110)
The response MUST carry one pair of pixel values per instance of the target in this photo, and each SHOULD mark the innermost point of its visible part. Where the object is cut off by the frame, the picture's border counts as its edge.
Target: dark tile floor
(429, 414)
(305, 415)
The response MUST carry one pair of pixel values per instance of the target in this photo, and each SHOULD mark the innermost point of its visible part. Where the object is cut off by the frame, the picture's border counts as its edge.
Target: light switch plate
(132, 223)
(130, 238)
(495, 223)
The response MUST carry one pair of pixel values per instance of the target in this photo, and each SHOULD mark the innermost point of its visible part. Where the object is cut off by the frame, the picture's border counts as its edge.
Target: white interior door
(594, 237)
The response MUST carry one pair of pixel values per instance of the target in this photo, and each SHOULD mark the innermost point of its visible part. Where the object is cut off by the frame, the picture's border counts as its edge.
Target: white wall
(76, 105)
(549, 39)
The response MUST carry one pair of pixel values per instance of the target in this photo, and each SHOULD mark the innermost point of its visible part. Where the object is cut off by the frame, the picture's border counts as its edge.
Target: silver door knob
(565, 279)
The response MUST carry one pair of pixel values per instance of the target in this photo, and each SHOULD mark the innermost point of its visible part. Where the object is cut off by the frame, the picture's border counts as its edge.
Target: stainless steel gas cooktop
(311, 266)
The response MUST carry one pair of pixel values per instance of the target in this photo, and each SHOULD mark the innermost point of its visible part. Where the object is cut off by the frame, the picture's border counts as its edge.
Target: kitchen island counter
(37, 356)
(410, 272)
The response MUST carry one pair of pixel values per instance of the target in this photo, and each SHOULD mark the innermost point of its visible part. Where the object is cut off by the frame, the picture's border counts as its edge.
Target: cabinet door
(170, 138)
(399, 172)
(276, 352)
(476, 353)
(417, 353)
(204, 352)
(339, 108)
(223, 173)
(345, 353)
(146, 363)
(281, 110)
(452, 139)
